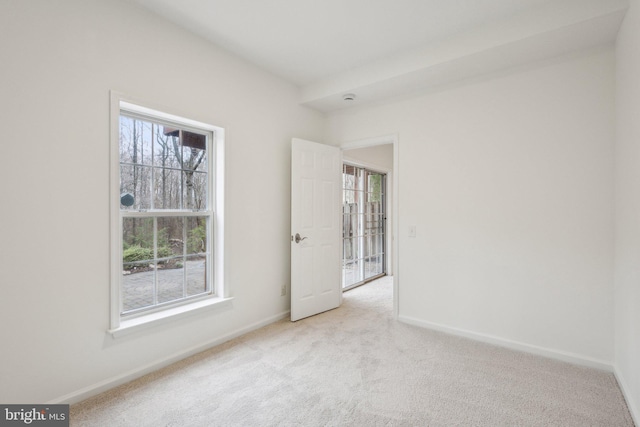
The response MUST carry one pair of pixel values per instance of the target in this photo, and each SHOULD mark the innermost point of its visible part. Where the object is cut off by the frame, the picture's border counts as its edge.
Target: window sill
(154, 319)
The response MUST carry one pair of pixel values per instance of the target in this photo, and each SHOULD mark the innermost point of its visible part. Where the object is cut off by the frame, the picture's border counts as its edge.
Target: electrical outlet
(412, 231)
(283, 290)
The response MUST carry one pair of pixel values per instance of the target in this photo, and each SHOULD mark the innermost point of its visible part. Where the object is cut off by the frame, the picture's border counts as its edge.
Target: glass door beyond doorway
(363, 225)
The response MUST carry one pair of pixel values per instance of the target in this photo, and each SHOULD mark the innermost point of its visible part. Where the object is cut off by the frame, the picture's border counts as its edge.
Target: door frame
(392, 208)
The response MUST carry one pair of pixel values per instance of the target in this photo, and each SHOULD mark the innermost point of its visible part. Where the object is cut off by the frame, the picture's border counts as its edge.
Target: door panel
(315, 216)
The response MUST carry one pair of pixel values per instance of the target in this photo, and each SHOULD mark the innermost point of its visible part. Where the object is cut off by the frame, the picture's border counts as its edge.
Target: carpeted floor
(357, 366)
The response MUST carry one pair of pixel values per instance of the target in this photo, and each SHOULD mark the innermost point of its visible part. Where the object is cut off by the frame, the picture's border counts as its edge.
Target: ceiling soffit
(547, 33)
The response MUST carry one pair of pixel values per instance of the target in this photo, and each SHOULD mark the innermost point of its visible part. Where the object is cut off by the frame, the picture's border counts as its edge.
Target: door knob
(299, 239)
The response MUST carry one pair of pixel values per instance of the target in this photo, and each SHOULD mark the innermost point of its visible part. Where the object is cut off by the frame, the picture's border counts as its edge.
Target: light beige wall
(509, 182)
(378, 155)
(627, 247)
(60, 60)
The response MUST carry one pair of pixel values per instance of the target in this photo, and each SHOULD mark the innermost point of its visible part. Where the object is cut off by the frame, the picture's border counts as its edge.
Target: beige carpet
(356, 366)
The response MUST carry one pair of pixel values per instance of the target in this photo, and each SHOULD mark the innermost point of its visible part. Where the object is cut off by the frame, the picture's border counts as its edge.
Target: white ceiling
(384, 48)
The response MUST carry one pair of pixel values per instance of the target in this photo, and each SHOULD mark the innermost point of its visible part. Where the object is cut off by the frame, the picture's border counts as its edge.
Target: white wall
(380, 156)
(627, 242)
(509, 180)
(59, 61)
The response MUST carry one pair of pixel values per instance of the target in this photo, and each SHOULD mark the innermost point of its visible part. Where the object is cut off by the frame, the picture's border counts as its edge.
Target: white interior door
(316, 185)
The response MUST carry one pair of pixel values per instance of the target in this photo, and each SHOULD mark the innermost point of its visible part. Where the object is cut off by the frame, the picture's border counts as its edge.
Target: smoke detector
(349, 96)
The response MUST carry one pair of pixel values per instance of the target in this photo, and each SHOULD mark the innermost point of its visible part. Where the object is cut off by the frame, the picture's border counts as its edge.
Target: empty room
(338, 212)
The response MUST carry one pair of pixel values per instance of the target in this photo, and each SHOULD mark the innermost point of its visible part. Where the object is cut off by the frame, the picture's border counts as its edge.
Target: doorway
(381, 154)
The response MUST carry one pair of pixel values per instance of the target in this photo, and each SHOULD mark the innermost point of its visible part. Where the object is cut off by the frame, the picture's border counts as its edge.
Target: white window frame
(218, 297)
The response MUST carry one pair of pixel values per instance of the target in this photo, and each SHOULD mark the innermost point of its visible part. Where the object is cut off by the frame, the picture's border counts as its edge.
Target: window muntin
(166, 216)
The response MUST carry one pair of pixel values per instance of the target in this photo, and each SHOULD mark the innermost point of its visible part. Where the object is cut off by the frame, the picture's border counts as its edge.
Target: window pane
(196, 235)
(196, 274)
(349, 177)
(350, 274)
(135, 141)
(137, 285)
(376, 244)
(170, 279)
(349, 218)
(168, 189)
(127, 188)
(353, 273)
(166, 147)
(346, 249)
(367, 268)
(195, 190)
(194, 158)
(137, 239)
(378, 264)
(367, 246)
(374, 192)
(170, 237)
(350, 248)
(135, 182)
(349, 196)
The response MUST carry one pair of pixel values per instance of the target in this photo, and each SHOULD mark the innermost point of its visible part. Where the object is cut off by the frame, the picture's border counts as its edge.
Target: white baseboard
(102, 386)
(513, 345)
(633, 409)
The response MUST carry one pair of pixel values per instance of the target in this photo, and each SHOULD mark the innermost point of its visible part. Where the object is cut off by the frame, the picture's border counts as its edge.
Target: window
(363, 227)
(166, 234)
